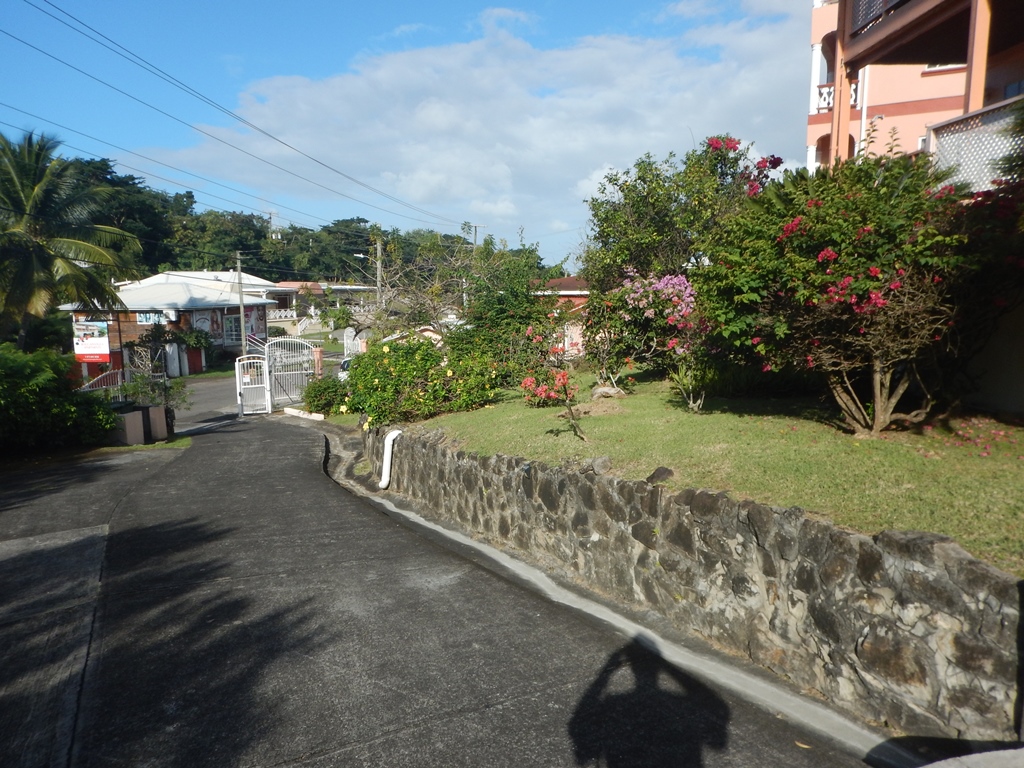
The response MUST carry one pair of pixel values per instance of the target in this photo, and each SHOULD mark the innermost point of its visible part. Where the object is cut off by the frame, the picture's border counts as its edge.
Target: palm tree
(50, 249)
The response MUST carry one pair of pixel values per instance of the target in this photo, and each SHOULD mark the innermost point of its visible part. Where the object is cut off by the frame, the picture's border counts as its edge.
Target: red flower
(827, 255)
(895, 285)
(732, 144)
(715, 143)
(790, 228)
(562, 378)
(753, 188)
(874, 271)
(756, 340)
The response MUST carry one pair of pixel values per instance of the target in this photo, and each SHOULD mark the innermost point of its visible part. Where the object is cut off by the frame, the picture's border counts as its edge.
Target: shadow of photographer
(664, 720)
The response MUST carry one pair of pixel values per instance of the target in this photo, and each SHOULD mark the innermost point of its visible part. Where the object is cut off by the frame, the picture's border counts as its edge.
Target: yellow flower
(386, 349)
(344, 409)
(450, 374)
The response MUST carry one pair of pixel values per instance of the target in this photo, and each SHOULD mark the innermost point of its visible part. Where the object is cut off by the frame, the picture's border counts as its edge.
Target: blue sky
(506, 116)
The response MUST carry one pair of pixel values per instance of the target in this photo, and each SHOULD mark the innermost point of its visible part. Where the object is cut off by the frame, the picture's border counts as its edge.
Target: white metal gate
(252, 384)
(290, 367)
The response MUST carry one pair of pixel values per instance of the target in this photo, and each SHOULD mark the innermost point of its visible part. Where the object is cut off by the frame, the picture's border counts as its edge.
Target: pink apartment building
(904, 97)
(946, 74)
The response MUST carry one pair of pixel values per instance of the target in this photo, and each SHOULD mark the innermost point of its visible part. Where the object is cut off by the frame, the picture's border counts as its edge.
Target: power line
(156, 71)
(207, 133)
(166, 165)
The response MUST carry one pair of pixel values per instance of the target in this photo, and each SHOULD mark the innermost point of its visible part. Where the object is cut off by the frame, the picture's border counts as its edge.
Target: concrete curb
(851, 736)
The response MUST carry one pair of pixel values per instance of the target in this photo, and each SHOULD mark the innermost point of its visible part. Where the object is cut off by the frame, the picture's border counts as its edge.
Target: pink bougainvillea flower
(732, 144)
(827, 255)
(874, 271)
(766, 367)
(715, 143)
(753, 189)
(895, 285)
(756, 340)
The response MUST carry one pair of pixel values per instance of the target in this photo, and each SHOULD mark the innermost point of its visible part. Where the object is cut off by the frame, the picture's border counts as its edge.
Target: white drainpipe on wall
(385, 470)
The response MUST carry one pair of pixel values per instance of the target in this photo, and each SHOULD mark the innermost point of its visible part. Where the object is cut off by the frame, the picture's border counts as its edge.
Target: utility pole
(380, 273)
(241, 304)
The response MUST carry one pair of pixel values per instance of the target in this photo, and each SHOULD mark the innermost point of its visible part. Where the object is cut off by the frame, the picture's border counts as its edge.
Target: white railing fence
(972, 143)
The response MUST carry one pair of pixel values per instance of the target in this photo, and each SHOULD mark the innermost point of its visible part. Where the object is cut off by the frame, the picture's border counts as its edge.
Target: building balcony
(974, 142)
(867, 13)
(827, 96)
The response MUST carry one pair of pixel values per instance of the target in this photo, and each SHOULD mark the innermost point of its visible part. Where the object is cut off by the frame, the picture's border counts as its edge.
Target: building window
(1012, 90)
(232, 330)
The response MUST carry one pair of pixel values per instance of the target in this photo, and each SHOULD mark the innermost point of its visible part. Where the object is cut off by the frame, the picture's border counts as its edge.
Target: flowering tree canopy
(847, 271)
(651, 217)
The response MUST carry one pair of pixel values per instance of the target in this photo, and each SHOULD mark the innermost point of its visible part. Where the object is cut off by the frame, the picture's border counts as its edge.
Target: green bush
(39, 407)
(327, 396)
(415, 380)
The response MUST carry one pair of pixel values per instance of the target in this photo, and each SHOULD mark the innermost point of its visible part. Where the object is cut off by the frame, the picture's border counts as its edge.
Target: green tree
(52, 249)
(135, 208)
(848, 271)
(651, 219)
(210, 239)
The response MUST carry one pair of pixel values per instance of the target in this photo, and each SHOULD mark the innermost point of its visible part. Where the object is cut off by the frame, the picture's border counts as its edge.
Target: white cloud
(691, 9)
(499, 131)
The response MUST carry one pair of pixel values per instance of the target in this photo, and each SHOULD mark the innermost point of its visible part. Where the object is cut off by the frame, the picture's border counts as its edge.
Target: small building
(181, 302)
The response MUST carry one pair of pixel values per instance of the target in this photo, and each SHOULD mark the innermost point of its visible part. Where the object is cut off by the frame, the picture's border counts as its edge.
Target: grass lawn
(965, 479)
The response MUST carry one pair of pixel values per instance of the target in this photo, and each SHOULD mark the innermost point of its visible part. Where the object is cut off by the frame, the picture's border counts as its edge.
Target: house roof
(184, 295)
(295, 286)
(211, 279)
(567, 285)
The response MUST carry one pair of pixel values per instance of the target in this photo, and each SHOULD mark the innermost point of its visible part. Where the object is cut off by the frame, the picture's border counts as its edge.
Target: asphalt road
(230, 605)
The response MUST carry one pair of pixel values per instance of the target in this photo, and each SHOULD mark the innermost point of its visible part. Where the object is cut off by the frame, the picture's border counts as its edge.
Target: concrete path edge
(850, 735)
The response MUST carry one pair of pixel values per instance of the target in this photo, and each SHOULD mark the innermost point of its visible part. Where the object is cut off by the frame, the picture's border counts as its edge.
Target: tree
(848, 271)
(51, 248)
(650, 219)
(133, 207)
(210, 239)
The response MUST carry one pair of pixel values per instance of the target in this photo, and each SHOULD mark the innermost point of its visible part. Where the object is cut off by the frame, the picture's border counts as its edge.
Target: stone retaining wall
(901, 628)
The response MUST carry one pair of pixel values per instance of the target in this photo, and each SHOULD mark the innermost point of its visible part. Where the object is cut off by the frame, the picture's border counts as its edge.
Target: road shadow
(177, 654)
(180, 676)
(656, 716)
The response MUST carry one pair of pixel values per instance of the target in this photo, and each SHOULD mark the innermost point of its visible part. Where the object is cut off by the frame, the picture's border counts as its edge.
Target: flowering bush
(407, 381)
(845, 271)
(551, 385)
(646, 320)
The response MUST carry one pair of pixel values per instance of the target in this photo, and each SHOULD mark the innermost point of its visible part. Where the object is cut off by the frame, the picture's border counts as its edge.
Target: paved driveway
(232, 606)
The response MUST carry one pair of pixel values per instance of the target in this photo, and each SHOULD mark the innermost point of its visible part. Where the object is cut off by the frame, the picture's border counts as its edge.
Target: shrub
(327, 396)
(415, 380)
(39, 406)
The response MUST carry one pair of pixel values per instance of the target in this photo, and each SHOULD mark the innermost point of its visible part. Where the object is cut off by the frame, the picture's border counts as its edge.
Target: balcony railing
(827, 96)
(868, 12)
(973, 143)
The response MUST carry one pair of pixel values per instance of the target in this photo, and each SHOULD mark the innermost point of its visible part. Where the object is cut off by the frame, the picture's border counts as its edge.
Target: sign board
(150, 318)
(92, 345)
